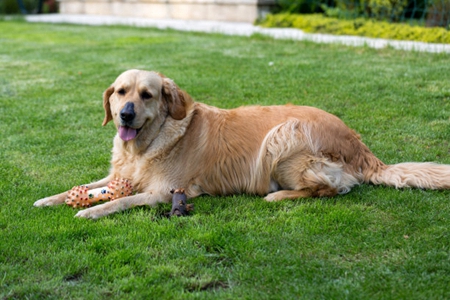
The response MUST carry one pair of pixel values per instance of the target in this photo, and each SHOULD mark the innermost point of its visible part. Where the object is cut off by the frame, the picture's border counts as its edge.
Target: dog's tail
(418, 175)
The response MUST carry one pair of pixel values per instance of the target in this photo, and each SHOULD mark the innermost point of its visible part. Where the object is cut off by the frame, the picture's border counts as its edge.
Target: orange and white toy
(82, 196)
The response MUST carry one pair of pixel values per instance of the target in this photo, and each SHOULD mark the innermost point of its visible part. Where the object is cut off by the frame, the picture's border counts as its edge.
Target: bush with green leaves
(298, 6)
(8, 7)
(11, 7)
(378, 9)
(430, 12)
(386, 9)
(317, 23)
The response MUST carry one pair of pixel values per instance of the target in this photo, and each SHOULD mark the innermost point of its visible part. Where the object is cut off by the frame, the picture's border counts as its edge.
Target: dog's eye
(146, 95)
(121, 92)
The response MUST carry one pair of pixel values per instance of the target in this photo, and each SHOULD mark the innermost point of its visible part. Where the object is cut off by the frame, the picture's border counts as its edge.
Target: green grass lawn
(373, 243)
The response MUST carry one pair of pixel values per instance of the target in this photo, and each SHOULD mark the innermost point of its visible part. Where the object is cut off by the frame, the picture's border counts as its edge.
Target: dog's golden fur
(280, 152)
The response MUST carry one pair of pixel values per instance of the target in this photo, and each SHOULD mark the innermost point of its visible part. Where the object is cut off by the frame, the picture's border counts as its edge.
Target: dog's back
(263, 149)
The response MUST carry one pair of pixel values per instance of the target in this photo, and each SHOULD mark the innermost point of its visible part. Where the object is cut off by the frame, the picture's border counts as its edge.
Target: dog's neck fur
(169, 134)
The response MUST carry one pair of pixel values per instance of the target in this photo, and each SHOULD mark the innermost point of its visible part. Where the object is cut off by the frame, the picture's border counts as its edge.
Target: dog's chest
(144, 173)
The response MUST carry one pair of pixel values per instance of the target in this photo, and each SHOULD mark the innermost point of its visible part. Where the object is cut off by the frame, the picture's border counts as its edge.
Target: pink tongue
(127, 133)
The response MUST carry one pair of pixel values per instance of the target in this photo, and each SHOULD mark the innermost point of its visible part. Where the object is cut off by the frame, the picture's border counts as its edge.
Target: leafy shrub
(8, 7)
(318, 23)
(378, 9)
(11, 7)
(386, 9)
(298, 6)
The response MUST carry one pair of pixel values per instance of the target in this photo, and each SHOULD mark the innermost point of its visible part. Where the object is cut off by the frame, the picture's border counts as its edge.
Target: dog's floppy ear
(106, 106)
(176, 99)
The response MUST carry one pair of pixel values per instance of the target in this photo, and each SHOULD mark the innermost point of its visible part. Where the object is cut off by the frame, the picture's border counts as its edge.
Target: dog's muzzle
(126, 129)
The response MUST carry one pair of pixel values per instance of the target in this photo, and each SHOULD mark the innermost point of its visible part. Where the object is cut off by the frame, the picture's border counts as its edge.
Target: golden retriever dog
(165, 140)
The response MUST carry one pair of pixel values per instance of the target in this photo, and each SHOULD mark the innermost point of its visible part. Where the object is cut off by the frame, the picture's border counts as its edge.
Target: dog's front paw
(91, 213)
(46, 202)
(87, 214)
(52, 200)
(41, 202)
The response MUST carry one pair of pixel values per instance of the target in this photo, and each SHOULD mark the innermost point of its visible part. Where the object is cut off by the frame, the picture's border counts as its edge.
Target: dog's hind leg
(304, 193)
(288, 194)
(293, 158)
(303, 175)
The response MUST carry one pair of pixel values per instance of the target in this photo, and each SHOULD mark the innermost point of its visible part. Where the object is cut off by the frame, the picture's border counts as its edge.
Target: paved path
(236, 28)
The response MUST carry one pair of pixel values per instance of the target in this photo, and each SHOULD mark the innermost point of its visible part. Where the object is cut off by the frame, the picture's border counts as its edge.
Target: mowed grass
(373, 243)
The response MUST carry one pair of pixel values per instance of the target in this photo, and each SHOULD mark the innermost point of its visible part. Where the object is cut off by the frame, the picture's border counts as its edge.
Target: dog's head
(137, 98)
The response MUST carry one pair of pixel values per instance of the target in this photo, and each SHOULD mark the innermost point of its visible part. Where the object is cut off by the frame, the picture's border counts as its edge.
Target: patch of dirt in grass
(207, 286)
(75, 276)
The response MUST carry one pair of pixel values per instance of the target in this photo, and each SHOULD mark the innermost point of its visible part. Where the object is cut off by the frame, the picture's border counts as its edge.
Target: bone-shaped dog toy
(82, 196)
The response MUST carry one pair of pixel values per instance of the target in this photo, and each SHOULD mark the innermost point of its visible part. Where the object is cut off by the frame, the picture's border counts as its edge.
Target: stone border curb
(239, 28)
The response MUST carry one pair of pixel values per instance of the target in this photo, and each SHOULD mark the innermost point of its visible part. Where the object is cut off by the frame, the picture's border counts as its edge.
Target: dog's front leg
(121, 204)
(60, 198)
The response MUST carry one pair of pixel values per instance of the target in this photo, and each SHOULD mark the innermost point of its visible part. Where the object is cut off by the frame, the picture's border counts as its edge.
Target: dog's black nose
(127, 113)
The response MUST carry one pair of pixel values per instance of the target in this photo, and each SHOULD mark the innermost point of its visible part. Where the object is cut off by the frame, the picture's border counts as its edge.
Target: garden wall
(218, 10)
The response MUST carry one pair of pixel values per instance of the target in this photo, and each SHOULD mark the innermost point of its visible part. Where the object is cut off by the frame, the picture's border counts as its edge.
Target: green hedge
(376, 9)
(317, 23)
(9, 7)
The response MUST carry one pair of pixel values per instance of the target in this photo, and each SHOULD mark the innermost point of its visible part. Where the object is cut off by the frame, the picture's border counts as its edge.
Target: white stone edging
(239, 28)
